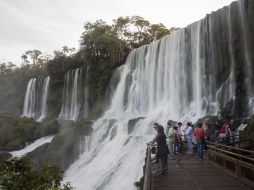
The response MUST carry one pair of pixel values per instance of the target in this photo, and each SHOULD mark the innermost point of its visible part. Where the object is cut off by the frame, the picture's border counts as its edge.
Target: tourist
(228, 134)
(177, 140)
(162, 149)
(171, 141)
(181, 128)
(199, 134)
(223, 132)
(188, 135)
(207, 134)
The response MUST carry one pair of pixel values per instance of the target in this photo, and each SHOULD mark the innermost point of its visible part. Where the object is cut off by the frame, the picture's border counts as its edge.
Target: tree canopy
(19, 174)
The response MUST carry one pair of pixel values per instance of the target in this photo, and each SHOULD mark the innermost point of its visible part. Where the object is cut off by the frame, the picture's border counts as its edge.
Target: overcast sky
(48, 25)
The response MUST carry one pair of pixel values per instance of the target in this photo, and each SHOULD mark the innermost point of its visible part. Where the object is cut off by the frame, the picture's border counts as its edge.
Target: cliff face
(194, 72)
(212, 61)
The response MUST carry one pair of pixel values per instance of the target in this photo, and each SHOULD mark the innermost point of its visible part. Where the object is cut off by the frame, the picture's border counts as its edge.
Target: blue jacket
(188, 133)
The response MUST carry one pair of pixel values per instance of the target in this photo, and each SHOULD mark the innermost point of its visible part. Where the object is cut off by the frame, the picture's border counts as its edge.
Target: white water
(35, 103)
(32, 146)
(75, 95)
(71, 102)
(183, 77)
(29, 103)
(249, 65)
(44, 106)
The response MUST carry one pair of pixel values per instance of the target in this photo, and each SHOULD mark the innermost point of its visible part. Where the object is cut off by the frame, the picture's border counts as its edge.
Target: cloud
(48, 25)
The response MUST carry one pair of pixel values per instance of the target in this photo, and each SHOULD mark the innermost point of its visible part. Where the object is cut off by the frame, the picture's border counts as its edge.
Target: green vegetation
(18, 174)
(16, 131)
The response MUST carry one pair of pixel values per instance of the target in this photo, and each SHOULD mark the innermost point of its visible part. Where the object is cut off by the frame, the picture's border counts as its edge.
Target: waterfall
(44, 107)
(72, 95)
(86, 105)
(29, 103)
(183, 77)
(247, 24)
(35, 103)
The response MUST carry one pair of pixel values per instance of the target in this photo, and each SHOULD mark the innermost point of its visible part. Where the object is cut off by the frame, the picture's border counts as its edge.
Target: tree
(68, 51)
(34, 55)
(157, 31)
(18, 174)
(7, 68)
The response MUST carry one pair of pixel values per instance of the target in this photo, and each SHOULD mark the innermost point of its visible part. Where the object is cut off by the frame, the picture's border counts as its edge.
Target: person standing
(177, 140)
(188, 134)
(162, 149)
(181, 130)
(199, 134)
(171, 141)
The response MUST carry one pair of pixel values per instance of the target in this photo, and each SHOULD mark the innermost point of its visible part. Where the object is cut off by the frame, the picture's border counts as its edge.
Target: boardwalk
(188, 173)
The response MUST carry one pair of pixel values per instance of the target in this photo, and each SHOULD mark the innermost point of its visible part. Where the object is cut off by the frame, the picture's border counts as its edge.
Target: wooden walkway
(188, 173)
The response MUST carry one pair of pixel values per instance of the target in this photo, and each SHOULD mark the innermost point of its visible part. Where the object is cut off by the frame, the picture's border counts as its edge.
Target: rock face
(66, 146)
(251, 128)
(132, 123)
(210, 120)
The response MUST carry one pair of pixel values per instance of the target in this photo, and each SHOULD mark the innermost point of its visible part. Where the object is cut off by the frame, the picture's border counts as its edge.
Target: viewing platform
(221, 169)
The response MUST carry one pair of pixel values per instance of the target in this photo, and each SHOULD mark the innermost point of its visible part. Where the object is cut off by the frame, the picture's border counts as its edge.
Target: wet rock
(132, 123)
(64, 149)
(210, 120)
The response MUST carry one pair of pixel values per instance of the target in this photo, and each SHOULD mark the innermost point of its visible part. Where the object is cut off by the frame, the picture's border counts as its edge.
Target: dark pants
(200, 147)
(165, 165)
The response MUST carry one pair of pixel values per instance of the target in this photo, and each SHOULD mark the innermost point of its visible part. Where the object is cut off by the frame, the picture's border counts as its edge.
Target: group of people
(171, 143)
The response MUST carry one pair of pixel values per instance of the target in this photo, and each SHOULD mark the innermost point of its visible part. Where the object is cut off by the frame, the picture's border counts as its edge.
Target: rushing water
(44, 107)
(29, 103)
(182, 77)
(75, 95)
(32, 146)
(35, 103)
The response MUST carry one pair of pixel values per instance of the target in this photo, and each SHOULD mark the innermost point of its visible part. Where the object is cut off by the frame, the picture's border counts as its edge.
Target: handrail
(232, 153)
(230, 147)
(230, 160)
(148, 182)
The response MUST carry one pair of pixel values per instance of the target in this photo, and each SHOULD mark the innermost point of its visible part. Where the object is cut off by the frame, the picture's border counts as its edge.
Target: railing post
(148, 182)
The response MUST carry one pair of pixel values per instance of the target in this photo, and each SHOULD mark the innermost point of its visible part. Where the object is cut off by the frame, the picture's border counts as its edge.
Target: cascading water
(35, 104)
(75, 95)
(182, 77)
(44, 106)
(246, 17)
(72, 95)
(29, 103)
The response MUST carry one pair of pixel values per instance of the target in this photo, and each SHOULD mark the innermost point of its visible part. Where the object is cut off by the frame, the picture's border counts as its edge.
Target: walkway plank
(188, 173)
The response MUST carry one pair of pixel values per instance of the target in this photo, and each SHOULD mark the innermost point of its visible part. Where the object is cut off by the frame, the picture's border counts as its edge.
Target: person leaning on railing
(162, 149)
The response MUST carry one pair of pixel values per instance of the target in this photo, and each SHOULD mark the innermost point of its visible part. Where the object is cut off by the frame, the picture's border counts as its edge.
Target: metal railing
(235, 137)
(238, 163)
(147, 181)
